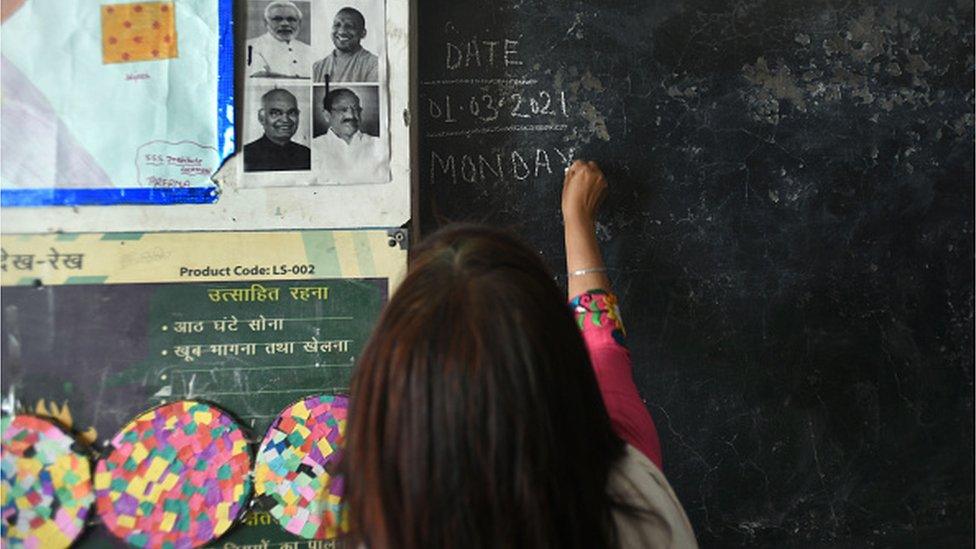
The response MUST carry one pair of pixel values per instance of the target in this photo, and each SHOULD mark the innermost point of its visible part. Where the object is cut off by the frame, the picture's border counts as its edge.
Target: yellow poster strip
(125, 258)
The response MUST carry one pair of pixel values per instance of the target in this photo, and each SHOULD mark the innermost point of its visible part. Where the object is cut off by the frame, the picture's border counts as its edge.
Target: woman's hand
(583, 190)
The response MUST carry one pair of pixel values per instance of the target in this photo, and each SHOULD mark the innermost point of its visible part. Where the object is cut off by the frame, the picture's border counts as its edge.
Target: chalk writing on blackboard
(482, 81)
(502, 164)
(486, 88)
(502, 109)
(482, 53)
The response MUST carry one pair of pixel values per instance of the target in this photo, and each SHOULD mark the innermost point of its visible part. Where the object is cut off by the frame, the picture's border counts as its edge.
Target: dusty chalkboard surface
(790, 232)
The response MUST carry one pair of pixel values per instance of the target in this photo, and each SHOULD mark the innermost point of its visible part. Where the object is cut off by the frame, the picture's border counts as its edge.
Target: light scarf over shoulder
(660, 521)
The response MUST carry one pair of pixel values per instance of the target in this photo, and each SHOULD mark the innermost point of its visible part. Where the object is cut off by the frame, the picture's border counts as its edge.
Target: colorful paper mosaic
(177, 476)
(297, 467)
(140, 31)
(46, 484)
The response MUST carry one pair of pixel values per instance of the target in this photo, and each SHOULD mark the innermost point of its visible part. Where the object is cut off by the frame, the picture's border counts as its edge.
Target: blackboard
(790, 231)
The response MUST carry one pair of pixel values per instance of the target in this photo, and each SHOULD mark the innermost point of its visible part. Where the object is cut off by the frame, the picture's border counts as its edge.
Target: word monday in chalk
(517, 165)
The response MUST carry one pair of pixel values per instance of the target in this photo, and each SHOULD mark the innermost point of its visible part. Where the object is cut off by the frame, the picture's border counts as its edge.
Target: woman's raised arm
(596, 312)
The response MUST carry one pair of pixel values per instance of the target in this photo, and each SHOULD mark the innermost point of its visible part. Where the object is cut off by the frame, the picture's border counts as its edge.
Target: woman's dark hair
(476, 420)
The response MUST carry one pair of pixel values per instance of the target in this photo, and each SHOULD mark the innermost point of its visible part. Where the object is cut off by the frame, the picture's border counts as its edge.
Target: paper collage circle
(177, 476)
(297, 467)
(46, 485)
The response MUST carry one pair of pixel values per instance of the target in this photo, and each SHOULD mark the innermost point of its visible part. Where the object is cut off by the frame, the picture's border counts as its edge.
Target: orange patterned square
(141, 31)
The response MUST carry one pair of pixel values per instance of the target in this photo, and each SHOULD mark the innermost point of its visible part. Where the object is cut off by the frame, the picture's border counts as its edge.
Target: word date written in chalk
(477, 53)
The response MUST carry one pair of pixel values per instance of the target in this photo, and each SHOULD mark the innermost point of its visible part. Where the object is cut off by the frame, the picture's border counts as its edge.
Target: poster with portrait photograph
(279, 142)
(316, 94)
(278, 39)
(192, 101)
(355, 42)
(347, 147)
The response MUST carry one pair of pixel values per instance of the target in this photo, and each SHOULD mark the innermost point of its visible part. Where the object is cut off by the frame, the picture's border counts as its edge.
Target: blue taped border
(144, 196)
(225, 79)
(106, 197)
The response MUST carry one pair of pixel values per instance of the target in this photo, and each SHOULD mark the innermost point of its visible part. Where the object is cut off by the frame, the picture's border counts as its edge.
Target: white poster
(327, 49)
(315, 94)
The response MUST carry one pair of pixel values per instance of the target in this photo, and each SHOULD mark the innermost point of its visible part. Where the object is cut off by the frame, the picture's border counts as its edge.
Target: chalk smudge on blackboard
(778, 81)
(585, 90)
(576, 28)
(590, 82)
(597, 122)
(877, 62)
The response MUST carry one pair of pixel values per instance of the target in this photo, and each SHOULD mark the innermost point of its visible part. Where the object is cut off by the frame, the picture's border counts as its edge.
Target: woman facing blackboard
(482, 418)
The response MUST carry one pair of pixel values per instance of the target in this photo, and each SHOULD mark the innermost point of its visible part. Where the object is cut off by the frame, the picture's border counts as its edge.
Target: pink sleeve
(599, 321)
